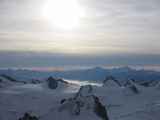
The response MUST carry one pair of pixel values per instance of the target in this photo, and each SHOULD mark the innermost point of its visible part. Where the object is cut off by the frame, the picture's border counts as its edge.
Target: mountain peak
(124, 68)
(97, 68)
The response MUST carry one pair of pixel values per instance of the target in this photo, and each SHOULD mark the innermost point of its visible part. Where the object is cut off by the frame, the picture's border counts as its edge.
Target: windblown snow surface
(38, 99)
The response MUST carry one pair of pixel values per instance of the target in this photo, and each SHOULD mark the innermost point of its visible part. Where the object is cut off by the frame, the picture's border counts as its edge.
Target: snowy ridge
(71, 101)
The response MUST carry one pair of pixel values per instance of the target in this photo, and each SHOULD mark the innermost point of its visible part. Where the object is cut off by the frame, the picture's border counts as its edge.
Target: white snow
(38, 99)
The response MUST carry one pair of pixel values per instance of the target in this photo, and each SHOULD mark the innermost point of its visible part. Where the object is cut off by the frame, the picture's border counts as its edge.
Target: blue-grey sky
(106, 29)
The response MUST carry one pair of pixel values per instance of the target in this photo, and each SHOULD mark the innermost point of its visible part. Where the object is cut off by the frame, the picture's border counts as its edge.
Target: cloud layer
(109, 27)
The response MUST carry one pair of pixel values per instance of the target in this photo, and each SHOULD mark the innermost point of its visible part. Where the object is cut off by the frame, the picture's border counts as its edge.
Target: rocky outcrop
(84, 100)
(28, 116)
(9, 78)
(1, 80)
(84, 91)
(149, 83)
(52, 83)
(62, 81)
(4, 82)
(131, 88)
(35, 81)
(100, 109)
(110, 81)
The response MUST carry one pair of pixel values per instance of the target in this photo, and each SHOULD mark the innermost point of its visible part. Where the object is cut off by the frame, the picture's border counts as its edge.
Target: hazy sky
(127, 27)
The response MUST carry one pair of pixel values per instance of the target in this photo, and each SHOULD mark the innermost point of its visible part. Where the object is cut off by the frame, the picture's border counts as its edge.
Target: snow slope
(43, 102)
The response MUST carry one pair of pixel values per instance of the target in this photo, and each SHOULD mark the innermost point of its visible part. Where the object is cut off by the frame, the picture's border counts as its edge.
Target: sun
(64, 14)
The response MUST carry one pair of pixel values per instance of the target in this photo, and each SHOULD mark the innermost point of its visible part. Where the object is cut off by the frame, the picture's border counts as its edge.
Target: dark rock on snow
(100, 109)
(34, 81)
(62, 81)
(28, 116)
(52, 83)
(130, 84)
(84, 91)
(84, 99)
(9, 78)
(111, 81)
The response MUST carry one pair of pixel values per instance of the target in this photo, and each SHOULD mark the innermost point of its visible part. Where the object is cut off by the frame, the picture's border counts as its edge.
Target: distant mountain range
(95, 74)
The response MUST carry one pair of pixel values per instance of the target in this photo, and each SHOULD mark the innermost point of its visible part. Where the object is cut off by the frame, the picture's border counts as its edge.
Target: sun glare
(64, 14)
